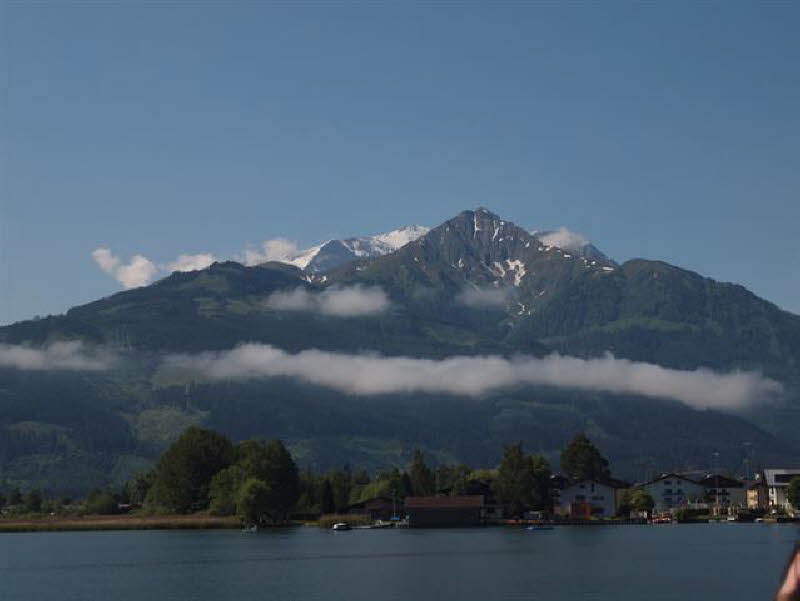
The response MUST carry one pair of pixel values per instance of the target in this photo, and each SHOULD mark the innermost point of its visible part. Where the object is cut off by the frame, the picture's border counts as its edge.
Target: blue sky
(662, 131)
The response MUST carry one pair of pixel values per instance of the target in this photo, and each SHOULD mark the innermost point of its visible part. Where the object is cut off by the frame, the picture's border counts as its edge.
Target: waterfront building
(589, 498)
(777, 482)
(671, 491)
(465, 510)
(757, 495)
(722, 491)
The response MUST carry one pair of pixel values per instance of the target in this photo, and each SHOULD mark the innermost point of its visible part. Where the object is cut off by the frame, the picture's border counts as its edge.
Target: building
(723, 491)
(777, 482)
(590, 498)
(757, 496)
(379, 508)
(670, 491)
(429, 512)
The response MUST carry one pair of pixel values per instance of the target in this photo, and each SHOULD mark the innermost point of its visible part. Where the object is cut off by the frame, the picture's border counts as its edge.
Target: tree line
(259, 481)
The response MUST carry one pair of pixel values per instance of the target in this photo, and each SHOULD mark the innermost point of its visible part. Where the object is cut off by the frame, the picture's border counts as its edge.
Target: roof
(672, 475)
(365, 502)
(717, 481)
(458, 502)
(780, 477)
(610, 482)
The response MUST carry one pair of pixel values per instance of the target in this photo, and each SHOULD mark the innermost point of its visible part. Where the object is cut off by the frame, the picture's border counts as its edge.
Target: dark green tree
(2, 500)
(423, 481)
(14, 497)
(542, 497)
(581, 460)
(522, 480)
(253, 502)
(271, 463)
(794, 492)
(33, 500)
(326, 503)
(342, 484)
(184, 472)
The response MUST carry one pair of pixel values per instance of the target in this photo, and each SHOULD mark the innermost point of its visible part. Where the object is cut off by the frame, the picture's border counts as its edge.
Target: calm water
(614, 563)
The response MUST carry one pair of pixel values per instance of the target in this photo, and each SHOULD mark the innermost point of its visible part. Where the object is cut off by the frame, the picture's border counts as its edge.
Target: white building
(723, 491)
(589, 498)
(777, 482)
(673, 491)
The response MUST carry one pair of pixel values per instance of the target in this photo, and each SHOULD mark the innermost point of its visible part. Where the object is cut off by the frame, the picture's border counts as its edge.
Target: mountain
(475, 285)
(334, 253)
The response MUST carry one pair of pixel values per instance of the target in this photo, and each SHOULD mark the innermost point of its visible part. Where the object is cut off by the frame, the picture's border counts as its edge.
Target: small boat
(341, 526)
(250, 529)
(535, 527)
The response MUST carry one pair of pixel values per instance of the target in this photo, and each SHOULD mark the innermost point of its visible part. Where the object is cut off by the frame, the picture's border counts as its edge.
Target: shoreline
(118, 522)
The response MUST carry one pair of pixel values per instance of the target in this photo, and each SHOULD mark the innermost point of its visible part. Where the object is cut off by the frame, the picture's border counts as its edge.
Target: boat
(535, 527)
(341, 526)
(250, 529)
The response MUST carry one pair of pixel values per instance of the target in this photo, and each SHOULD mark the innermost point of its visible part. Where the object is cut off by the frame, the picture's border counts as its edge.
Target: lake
(603, 563)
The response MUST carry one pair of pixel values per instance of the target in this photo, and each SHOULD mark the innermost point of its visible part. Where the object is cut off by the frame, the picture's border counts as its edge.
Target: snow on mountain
(333, 253)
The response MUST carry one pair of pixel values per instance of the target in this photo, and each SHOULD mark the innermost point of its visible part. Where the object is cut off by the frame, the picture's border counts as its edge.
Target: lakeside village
(203, 480)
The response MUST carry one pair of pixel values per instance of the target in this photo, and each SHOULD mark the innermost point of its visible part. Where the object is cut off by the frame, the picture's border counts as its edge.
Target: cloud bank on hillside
(70, 355)
(337, 301)
(371, 374)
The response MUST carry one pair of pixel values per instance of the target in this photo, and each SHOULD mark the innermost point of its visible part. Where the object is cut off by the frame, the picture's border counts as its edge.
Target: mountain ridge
(475, 285)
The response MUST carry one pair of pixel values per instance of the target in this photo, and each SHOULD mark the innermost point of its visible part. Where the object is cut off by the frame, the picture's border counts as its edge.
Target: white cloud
(191, 262)
(473, 376)
(65, 355)
(298, 299)
(337, 301)
(484, 298)
(277, 249)
(138, 271)
(564, 239)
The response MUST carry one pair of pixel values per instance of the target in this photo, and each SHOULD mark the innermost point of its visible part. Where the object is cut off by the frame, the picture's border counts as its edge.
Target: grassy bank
(328, 520)
(118, 522)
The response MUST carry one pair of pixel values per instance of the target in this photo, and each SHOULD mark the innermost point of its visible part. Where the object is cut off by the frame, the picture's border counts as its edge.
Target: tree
(138, 486)
(342, 484)
(542, 497)
(581, 460)
(101, 502)
(2, 500)
(272, 463)
(253, 501)
(522, 480)
(33, 500)
(453, 477)
(794, 492)
(326, 504)
(184, 472)
(14, 497)
(423, 481)
(635, 499)
(223, 490)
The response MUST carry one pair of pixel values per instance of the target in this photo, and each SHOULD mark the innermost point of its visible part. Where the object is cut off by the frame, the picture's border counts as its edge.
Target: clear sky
(666, 131)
